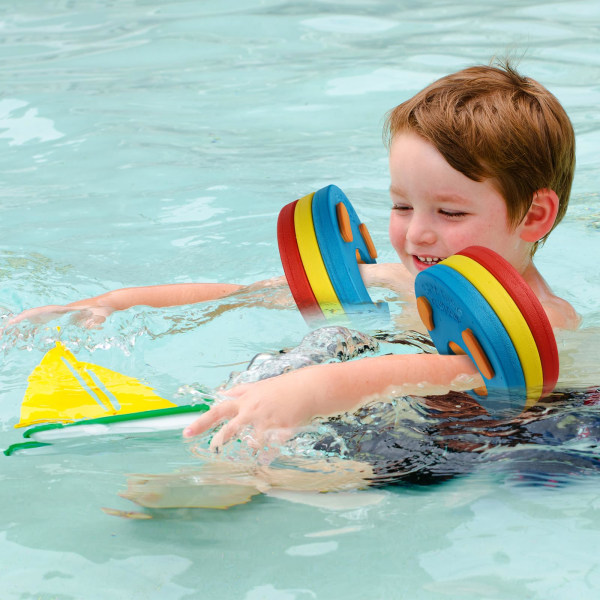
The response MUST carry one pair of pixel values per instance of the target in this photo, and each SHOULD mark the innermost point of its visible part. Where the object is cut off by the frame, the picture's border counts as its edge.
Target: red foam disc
(293, 267)
(530, 307)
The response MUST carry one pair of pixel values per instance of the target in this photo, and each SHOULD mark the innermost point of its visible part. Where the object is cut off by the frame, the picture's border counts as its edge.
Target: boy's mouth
(428, 261)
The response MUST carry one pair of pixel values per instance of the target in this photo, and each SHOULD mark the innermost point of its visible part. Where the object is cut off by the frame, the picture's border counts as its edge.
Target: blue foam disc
(339, 256)
(457, 305)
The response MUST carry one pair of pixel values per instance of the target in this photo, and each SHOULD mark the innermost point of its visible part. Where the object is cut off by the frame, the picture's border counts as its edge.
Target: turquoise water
(146, 142)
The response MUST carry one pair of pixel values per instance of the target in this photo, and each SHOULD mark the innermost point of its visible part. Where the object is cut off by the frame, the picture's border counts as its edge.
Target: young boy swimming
(480, 157)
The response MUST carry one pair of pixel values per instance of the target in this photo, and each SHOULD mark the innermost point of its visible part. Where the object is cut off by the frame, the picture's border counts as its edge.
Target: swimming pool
(146, 142)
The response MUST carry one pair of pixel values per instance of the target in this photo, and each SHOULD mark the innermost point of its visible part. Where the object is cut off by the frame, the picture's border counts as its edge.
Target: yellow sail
(62, 389)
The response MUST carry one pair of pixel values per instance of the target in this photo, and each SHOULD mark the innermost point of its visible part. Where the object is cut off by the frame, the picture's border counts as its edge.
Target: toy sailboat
(67, 398)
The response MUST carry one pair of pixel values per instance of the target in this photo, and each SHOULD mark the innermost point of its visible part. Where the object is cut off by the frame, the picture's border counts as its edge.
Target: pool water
(146, 142)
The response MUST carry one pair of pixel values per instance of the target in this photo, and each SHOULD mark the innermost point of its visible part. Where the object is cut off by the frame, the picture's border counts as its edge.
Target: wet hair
(489, 122)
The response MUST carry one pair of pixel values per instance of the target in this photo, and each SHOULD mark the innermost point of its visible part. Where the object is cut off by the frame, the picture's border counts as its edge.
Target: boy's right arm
(98, 308)
(279, 405)
(95, 310)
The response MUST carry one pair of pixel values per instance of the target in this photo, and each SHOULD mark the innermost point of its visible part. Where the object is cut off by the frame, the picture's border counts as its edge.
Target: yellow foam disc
(510, 316)
(311, 258)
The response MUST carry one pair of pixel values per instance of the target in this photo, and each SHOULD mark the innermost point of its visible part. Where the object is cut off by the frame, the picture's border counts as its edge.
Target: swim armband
(321, 241)
(476, 303)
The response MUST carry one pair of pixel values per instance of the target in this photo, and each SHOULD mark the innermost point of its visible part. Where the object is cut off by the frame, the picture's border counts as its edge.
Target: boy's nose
(420, 231)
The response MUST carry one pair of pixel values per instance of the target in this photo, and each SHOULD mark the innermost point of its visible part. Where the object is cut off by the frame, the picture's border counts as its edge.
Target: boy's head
(492, 123)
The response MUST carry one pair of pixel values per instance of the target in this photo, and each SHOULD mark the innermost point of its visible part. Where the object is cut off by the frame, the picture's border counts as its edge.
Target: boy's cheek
(397, 238)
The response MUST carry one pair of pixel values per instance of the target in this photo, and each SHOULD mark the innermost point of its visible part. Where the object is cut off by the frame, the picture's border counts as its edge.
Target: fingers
(257, 439)
(30, 313)
(256, 406)
(209, 419)
(227, 410)
(228, 431)
(90, 318)
(236, 391)
(42, 314)
(269, 438)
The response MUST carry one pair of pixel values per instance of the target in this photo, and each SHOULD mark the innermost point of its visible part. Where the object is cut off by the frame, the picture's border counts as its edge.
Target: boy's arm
(281, 404)
(159, 295)
(393, 276)
(101, 306)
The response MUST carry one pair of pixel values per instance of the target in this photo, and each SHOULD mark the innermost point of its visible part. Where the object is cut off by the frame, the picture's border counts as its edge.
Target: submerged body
(404, 440)
(382, 445)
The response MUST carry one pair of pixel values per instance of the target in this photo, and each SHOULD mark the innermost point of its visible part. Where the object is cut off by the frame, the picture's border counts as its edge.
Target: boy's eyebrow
(452, 197)
(395, 191)
(441, 196)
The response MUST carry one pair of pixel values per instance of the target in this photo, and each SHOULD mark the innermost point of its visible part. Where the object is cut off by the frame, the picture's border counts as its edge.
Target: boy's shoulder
(561, 313)
(396, 277)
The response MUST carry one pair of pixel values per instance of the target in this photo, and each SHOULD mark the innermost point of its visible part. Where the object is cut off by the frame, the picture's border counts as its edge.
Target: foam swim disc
(511, 317)
(312, 260)
(330, 240)
(293, 267)
(458, 307)
(340, 238)
(491, 284)
(530, 307)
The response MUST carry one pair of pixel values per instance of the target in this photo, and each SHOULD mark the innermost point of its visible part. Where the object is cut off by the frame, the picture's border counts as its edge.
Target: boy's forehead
(396, 190)
(418, 169)
(410, 153)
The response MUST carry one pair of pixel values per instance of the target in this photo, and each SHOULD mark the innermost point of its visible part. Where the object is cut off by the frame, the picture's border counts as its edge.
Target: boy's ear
(541, 215)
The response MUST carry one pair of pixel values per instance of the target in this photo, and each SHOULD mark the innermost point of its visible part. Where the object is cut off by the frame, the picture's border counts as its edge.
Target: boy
(480, 157)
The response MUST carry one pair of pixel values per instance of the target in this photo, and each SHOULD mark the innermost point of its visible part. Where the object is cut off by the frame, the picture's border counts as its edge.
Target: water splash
(319, 346)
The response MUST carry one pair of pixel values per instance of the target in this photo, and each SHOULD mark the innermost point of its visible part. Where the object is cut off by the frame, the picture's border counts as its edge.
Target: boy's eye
(452, 213)
(401, 207)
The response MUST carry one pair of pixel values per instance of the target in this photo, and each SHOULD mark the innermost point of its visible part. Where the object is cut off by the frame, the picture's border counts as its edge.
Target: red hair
(492, 123)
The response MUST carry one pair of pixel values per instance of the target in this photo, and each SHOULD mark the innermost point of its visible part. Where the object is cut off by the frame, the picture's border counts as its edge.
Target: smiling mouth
(428, 260)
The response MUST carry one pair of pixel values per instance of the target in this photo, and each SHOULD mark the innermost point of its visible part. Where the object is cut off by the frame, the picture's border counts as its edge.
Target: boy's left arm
(279, 405)
(393, 276)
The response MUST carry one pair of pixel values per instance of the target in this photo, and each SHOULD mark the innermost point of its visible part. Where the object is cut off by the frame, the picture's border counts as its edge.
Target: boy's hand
(87, 317)
(92, 317)
(41, 314)
(273, 407)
